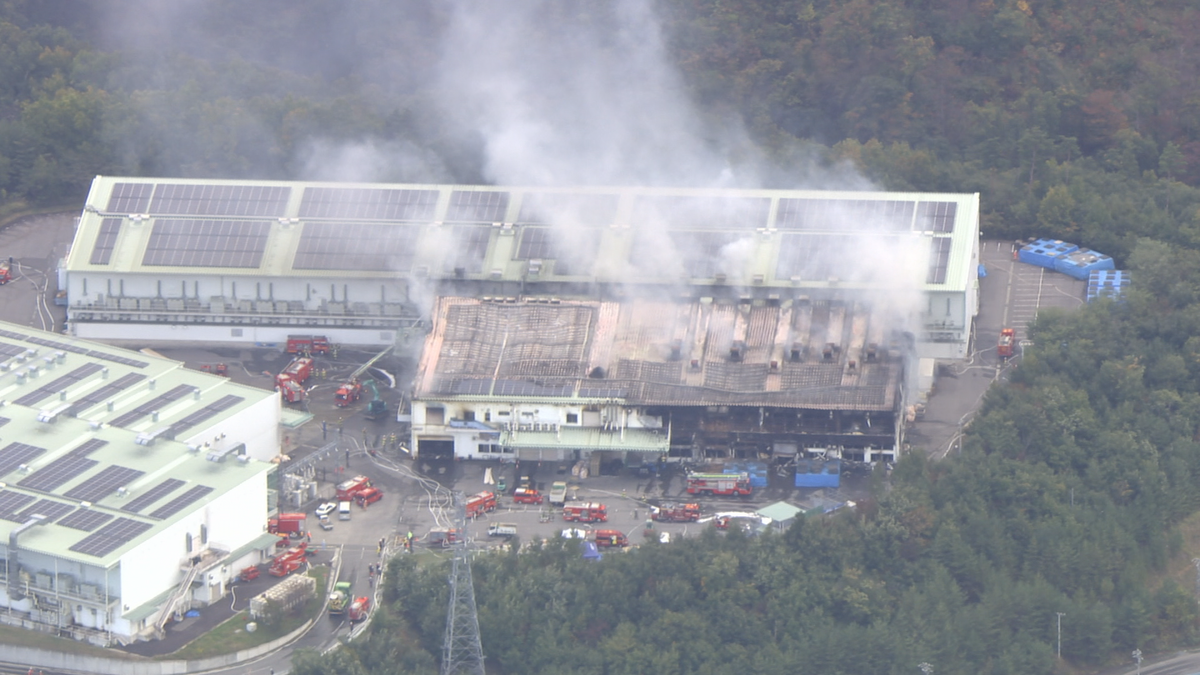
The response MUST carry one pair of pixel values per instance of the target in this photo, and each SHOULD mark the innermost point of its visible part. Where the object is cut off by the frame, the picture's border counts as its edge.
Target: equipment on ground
(352, 486)
(359, 609)
(558, 493)
(339, 598)
(719, 484)
(586, 512)
(376, 407)
(608, 538)
(527, 496)
(479, 504)
(289, 561)
(287, 523)
(291, 381)
(1008, 338)
(673, 512)
(307, 344)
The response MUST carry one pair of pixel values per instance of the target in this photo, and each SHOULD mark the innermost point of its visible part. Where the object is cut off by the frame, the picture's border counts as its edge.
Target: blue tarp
(982, 271)
(590, 551)
(818, 473)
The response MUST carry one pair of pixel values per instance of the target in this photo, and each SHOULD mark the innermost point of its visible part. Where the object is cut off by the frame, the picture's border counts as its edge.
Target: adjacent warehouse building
(130, 488)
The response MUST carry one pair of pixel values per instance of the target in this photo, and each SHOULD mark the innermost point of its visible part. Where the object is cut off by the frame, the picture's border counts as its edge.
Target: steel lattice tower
(462, 652)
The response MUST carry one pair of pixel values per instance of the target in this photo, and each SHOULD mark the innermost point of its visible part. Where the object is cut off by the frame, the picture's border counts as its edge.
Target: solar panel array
(368, 203)
(224, 403)
(85, 520)
(939, 260)
(815, 257)
(536, 243)
(103, 393)
(63, 469)
(568, 209)
(470, 247)
(15, 454)
(477, 206)
(58, 384)
(175, 505)
(153, 404)
(207, 243)
(152, 495)
(103, 484)
(701, 213)
(11, 502)
(110, 537)
(845, 215)
(49, 509)
(130, 197)
(220, 200)
(356, 246)
(65, 347)
(106, 241)
(11, 350)
(936, 216)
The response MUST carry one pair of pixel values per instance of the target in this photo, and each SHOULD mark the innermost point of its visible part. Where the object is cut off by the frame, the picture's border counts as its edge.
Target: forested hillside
(1078, 120)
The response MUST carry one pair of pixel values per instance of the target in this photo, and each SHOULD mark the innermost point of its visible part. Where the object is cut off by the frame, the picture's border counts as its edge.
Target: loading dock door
(435, 448)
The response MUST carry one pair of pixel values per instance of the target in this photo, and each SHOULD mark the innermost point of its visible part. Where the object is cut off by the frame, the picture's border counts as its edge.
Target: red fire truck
(289, 561)
(307, 344)
(719, 484)
(368, 496)
(527, 496)
(359, 609)
(480, 504)
(348, 488)
(586, 512)
(672, 512)
(1004, 348)
(287, 523)
(291, 381)
(607, 538)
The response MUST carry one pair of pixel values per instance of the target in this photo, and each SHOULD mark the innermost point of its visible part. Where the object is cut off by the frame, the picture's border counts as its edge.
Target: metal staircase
(179, 594)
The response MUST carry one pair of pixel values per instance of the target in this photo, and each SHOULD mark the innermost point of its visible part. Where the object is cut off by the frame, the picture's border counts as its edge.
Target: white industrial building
(131, 488)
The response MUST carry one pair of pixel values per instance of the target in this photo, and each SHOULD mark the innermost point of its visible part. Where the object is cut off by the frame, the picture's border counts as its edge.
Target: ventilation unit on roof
(148, 438)
(95, 425)
(122, 491)
(51, 416)
(220, 455)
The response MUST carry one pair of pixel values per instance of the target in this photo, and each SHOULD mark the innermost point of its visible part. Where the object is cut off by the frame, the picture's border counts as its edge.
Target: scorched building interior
(563, 322)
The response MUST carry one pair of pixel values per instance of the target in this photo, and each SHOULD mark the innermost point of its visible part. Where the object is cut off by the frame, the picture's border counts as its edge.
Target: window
(572, 418)
(487, 416)
(469, 415)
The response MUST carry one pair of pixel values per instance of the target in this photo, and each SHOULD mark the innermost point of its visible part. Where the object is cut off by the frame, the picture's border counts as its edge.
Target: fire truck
(442, 536)
(359, 609)
(307, 344)
(480, 504)
(672, 512)
(586, 512)
(607, 538)
(1004, 348)
(287, 523)
(347, 489)
(368, 496)
(347, 394)
(719, 484)
(291, 380)
(527, 496)
(5, 273)
(289, 561)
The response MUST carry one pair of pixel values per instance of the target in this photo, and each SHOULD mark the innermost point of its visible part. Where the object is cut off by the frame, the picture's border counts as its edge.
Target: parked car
(325, 509)
(325, 523)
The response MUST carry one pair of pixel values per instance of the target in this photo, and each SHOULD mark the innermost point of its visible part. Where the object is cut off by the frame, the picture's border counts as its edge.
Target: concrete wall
(246, 335)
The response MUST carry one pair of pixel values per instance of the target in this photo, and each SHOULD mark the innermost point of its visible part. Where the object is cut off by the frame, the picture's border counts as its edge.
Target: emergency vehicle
(368, 496)
(527, 496)
(608, 538)
(289, 561)
(350, 487)
(291, 381)
(586, 512)
(481, 503)
(672, 512)
(719, 484)
(307, 344)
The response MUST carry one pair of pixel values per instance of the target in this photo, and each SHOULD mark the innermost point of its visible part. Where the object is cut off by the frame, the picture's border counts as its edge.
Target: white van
(343, 510)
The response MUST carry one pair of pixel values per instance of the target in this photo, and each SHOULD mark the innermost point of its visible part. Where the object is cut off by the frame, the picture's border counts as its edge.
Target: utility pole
(1060, 616)
(1137, 656)
(462, 652)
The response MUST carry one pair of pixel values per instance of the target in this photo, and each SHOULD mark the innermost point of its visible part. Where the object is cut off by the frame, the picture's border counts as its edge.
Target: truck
(368, 496)
(481, 503)
(290, 382)
(1004, 348)
(607, 538)
(307, 344)
(719, 484)
(558, 493)
(352, 486)
(502, 530)
(339, 598)
(442, 536)
(674, 512)
(347, 394)
(527, 496)
(586, 512)
(289, 561)
(359, 609)
(287, 523)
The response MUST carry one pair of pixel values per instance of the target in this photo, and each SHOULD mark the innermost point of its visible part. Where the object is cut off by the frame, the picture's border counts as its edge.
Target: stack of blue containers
(756, 470)
(1044, 252)
(1080, 264)
(1107, 284)
(818, 473)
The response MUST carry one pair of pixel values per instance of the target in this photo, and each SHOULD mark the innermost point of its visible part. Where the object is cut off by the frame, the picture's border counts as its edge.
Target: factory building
(131, 488)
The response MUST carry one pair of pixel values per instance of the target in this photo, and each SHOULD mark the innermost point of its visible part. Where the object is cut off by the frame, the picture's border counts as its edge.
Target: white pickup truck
(502, 530)
(558, 493)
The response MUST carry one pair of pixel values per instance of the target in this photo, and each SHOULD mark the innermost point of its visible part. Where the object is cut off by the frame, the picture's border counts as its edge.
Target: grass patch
(12, 635)
(16, 210)
(232, 636)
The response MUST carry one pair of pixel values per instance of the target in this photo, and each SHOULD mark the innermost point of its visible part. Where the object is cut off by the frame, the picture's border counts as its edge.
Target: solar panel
(110, 537)
(356, 246)
(103, 484)
(75, 349)
(48, 508)
(87, 447)
(841, 215)
(469, 248)
(368, 204)
(701, 213)
(85, 519)
(16, 454)
(536, 243)
(11, 502)
(10, 350)
(106, 241)
(568, 209)
(223, 403)
(220, 200)
(175, 505)
(58, 384)
(152, 405)
(4, 420)
(206, 243)
(936, 216)
(479, 206)
(152, 495)
(103, 393)
(54, 474)
(815, 257)
(130, 197)
(701, 253)
(939, 260)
